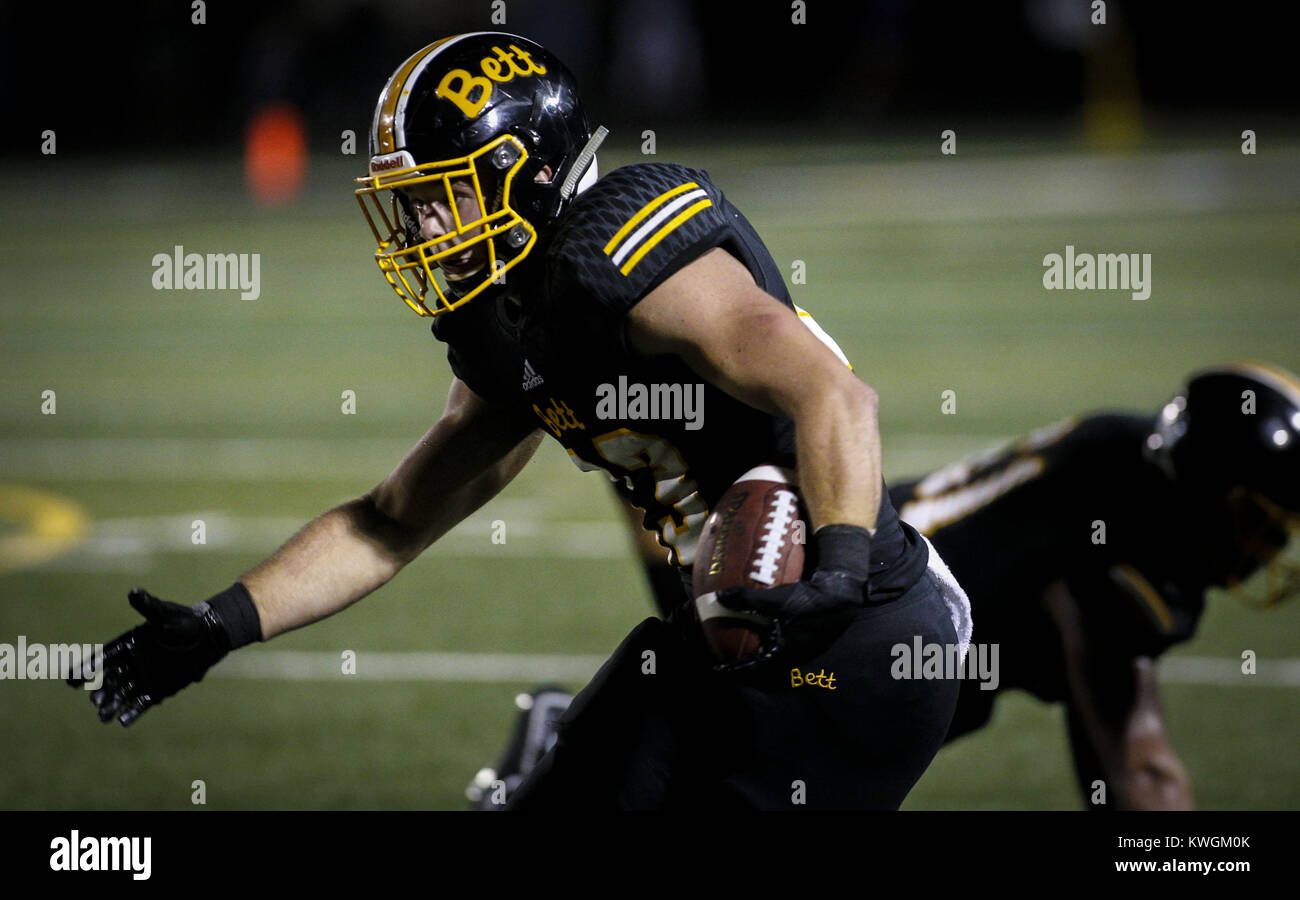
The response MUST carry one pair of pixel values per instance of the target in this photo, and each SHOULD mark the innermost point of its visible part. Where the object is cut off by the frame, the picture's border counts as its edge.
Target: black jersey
(1077, 502)
(676, 442)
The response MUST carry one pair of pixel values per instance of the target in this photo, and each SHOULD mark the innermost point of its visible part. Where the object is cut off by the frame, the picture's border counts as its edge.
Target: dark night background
(117, 78)
(926, 264)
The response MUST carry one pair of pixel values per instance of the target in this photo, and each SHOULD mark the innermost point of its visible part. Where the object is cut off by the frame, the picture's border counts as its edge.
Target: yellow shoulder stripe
(664, 232)
(645, 211)
(1142, 589)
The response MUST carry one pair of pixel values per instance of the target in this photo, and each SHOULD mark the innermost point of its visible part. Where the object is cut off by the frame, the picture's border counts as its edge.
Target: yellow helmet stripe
(1275, 377)
(389, 125)
(663, 233)
(386, 111)
(645, 211)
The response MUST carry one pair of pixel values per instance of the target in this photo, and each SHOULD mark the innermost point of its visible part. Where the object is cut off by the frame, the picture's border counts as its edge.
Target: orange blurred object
(275, 155)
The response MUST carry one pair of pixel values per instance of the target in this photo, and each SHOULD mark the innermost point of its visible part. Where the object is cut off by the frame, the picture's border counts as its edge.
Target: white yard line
(323, 666)
(291, 665)
(982, 189)
(1227, 671)
(131, 543)
(217, 459)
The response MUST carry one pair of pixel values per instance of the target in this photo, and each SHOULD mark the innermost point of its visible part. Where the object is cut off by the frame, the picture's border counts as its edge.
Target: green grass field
(186, 405)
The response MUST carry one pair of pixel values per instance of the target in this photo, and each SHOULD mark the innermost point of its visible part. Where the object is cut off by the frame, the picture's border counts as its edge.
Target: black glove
(174, 647)
(807, 616)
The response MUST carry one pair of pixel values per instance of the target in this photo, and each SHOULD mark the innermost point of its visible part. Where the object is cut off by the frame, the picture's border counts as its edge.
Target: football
(753, 538)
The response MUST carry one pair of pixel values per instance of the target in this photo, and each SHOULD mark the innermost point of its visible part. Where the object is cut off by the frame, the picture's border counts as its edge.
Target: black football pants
(657, 728)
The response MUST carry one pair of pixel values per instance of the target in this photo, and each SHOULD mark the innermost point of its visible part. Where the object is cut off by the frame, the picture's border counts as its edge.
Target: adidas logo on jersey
(531, 378)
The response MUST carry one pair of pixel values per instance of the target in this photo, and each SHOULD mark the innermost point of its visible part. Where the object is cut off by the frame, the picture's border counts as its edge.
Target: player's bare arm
(736, 335)
(713, 316)
(490, 217)
(465, 459)
(1115, 710)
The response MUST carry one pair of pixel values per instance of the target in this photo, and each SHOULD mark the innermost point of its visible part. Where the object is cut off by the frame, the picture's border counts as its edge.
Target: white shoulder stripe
(648, 228)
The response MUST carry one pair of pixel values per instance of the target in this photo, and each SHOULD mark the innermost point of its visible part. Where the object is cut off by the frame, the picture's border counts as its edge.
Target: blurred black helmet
(482, 114)
(1236, 425)
(1231, 439)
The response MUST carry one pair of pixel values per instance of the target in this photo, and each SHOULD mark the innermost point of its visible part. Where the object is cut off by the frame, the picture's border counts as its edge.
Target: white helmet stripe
(399, 116)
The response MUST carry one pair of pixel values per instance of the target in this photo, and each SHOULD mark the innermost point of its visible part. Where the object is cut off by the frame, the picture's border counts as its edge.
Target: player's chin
(462, 268)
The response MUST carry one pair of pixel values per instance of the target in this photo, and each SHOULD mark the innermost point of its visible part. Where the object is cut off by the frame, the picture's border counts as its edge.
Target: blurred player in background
(548, 285)
(1088, 547)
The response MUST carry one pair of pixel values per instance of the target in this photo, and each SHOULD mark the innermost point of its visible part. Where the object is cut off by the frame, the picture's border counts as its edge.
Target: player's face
(436, 217)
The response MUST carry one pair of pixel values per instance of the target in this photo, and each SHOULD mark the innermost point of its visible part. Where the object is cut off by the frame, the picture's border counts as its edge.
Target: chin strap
(580, 165)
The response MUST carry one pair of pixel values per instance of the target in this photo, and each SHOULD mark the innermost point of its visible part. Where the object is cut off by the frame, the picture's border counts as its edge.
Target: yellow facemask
(408, 263)
(1272, 540)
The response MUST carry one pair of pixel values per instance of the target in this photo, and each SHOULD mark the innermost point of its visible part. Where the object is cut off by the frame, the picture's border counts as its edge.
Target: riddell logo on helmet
(458, 84)
(399, 160)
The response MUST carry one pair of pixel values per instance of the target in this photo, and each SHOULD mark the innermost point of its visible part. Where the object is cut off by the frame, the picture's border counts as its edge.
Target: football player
(1088, 547)
(548, 285)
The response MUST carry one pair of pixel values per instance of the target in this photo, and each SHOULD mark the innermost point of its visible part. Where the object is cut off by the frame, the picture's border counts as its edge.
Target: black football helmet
(1231, 438)
(487, 112)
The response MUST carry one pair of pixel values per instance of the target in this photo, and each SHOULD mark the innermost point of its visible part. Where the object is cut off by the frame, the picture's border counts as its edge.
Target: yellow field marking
(49, 525)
